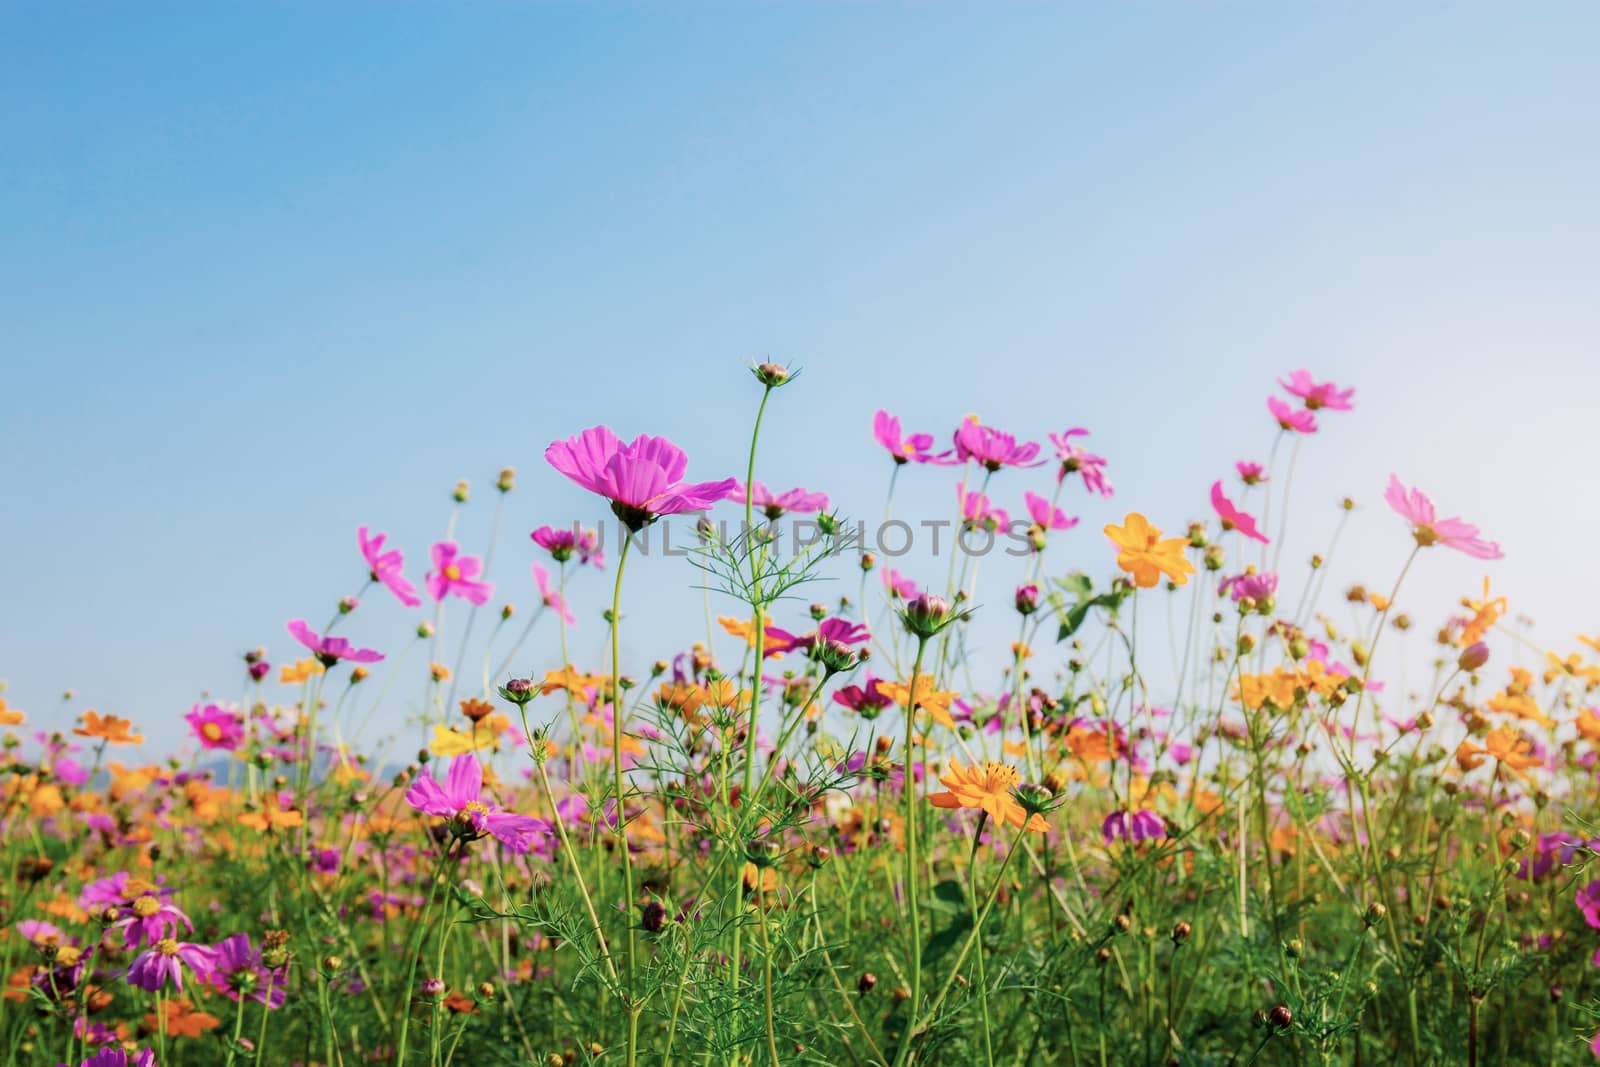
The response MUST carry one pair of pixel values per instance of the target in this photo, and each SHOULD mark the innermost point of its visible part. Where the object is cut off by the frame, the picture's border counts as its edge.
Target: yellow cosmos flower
(1145, 556)
(109, 728)
(299, 671)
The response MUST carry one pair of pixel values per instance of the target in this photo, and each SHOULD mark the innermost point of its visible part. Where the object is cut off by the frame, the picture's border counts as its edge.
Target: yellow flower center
(477, 807)
(211, 732)
(167, 947)
(453, 573)
(146, 906)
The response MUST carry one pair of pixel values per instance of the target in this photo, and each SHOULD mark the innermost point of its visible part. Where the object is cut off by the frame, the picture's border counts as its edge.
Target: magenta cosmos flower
(215, 727)
(116, 1056)
(385, 567)
(152, 967)
(1292, 420)
(840, 631)
(897, 584)
(976, 511)
(330, 650)
(774, 505)
(912, 448)
(1076, 460)
(1416, 507)
(238, 973)
(992, 448)
(460, 799)
(1232, 518)
(563, 544)
(1250, 584)
(1317, 394)
(1136, 826)
(1046, 515)
(456, 573)
(1250, 473)
(642, 479)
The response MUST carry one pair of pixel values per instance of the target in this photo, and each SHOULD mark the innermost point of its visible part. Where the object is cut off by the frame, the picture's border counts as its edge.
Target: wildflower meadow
(1182, 819)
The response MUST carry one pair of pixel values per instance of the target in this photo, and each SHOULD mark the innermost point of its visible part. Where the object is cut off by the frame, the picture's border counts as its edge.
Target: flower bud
(926, 615)
(1473, 656)
(772, 375)
(507, 480)
(459, 494)
(1280, 1016)
(1027, 599)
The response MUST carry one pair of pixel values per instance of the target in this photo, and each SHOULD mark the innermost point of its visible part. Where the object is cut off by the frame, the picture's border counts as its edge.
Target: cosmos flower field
(823, 829)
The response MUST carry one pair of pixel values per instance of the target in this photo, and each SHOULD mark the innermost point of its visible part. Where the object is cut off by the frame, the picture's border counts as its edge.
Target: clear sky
(271, 272)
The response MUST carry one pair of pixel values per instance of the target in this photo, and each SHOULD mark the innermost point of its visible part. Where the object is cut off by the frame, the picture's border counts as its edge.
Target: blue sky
(271, 273)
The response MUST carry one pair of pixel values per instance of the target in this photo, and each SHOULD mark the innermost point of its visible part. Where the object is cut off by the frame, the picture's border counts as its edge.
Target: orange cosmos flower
(300, 670)
(112, 730)
(1485, 613)
(1145, 556)
(1505, 746)
(986, 789)
(8, 716)
(744, 629)
(574, 682)
(183, 1019)
(1573, 666)
(1588, 723)
(929, 699)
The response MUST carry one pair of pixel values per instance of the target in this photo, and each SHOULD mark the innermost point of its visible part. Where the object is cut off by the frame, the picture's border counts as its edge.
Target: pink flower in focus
(992, 448)
(1294, 420)
(868, 700)
(1232, 518)
(774, 505)
(1416, 507)
(842, 631)
(1046, 515)
(330, 650)
(906, 449)
(215, 728)
(456, 573)
(385, 567)
(1250, 473)
(151, 968)
(460, 799)
(1076, 460)
(643, 479)
(1317, 394)
(552, 597)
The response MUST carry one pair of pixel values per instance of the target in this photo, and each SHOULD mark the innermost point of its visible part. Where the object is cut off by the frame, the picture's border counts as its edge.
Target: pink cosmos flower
(1232, 518)
(460, 799)
(909, 449)
(238, 973)
(562, 544)
(774, 505)
(897, 584)
(214, 727)
(642, 479)
(456, 573)
(116, 1056)
(1250, 473)
(552, 597)
(1293, 420)
(1046, 515)
(1416, 507)
(152, 967)
(1588, 901)
(330, 650)
(1317, 394)
(1249, 584)
(867, 700)
(1076, 460)
(842, 631)
(1137, 826)
(992, 448)
(976, 511)
(385, 567)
